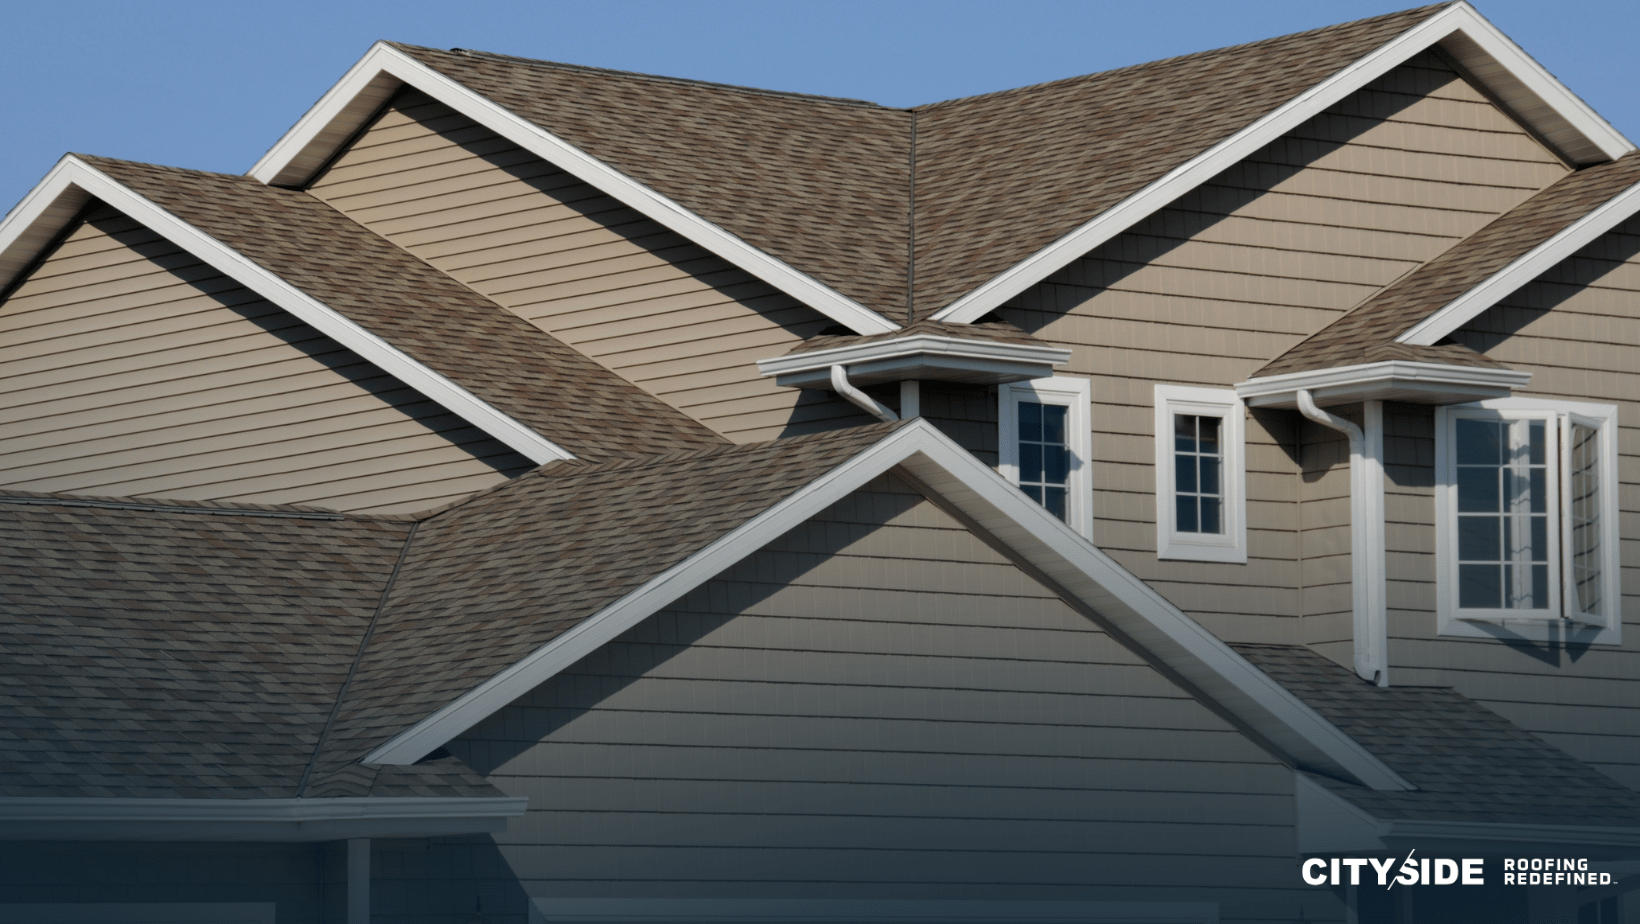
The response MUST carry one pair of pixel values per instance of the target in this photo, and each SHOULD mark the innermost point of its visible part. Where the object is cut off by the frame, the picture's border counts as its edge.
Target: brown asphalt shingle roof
(826, 185)
(1375, 323)
(513, 365)
(1468, 762)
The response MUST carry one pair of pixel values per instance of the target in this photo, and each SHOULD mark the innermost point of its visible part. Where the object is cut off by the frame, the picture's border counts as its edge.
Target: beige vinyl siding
(648, 304)
(1234, 273)
(130, 368)
(878, 705)
(1577, 330)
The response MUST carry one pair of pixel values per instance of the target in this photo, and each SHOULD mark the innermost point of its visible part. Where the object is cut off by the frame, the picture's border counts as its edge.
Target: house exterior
(536, 492)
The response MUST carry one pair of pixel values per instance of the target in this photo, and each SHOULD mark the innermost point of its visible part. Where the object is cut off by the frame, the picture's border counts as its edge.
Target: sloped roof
(1468, 762)
(504, 360)
(1391, 312)
(827, 185)
(491, 580)
(997, 332)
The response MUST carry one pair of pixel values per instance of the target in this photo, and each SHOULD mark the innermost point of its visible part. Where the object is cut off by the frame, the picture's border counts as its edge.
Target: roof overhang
(1328, 823)
(342, 111)
(1392, 380)
(1090, 579)
(94, 819)
(922, 356)
(48, 209)
(1530, 92)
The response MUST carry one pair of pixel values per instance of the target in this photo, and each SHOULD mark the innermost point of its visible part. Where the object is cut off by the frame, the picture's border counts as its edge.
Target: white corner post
(910, 399)
(1368, 578)
(358, 880)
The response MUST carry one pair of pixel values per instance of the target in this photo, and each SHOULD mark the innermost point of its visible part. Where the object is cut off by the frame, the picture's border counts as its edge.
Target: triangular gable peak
(482, 682)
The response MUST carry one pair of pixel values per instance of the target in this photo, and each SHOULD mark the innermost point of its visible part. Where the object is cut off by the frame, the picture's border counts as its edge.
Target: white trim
(921, 356)
(997, 506)
(89, 818)
(74, 174)
(1562, 114)
(1532, 264)
(838, 911)
(143, 913)
(324, 128)
(1391, 380)
(1230, 545)
(1503, 624)
(1071, 392)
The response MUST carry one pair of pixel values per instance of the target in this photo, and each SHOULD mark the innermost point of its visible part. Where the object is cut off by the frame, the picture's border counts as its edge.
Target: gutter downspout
(1368, 580)
(841, 385)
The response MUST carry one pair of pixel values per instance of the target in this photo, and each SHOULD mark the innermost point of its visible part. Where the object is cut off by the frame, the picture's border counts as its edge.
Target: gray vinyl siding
(1231, 275)
(129, 368)
(878, 705)
(663, 312)
(1577, 330)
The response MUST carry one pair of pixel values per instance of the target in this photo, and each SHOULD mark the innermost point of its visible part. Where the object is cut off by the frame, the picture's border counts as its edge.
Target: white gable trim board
(352, 101)
(997, 506)
(47, 209)
(1511, 74)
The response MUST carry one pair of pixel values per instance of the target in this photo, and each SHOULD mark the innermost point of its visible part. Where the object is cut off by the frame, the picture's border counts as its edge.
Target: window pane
(1584, 519)
(1055, 501)
(1184, 433)
(1033, 491)
(1184, 473)
(1209, 430)
(1053, 423)
(1056, 464)
(1030, 461)
(1210, 515)
(1540, 538)
(1480, 586)
(1478, 490)
(1480, 442)
(1478, 539)
(1539, 491)
(1540, 587)
(1030, 421)
(1210, 475)
(1535, 441)
(1185, 515)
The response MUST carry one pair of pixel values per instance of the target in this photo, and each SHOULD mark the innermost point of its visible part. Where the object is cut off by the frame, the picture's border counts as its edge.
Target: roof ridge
(656, 78)
(1189, 56)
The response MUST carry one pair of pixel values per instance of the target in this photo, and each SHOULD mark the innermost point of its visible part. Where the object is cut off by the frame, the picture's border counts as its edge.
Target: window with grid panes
(1045, 441)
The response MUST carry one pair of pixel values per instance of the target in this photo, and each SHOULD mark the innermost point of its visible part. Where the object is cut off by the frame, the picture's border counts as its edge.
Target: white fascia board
(324, 128)
(1534, 263)
(1001, 508)
(75, 174)
(1393, 379)
(869, 361)
(30, 226)
(76, 818)
(1460, 22)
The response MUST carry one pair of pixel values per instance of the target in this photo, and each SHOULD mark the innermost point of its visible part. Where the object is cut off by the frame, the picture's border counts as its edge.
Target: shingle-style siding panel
(1206, 291)
(130, 368)
(1577, 330)
(648, 304)
(878, 705)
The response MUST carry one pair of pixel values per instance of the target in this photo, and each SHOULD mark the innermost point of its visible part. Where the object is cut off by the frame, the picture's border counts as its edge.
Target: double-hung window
(1046, 439)
(1526, 520)
(1201, 509)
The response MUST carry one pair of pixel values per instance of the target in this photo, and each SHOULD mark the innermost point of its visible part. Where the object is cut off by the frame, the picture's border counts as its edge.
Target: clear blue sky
(213, 85)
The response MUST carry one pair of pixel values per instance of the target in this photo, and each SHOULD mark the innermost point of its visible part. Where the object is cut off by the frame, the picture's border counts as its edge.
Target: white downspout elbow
(1369, 581)
(841, 385)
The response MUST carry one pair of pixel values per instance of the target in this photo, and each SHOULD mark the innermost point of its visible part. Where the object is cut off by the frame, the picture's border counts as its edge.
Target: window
(1526, 520)
(1201, 510)
(1046, 440)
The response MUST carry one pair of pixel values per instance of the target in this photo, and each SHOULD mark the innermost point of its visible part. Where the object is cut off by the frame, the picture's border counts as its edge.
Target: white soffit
(91, 818)
(1534, 95)
(46, 210)
(1002, 509)
(1394, 380)
(921, 356)
(351, 102)
(1534, 263)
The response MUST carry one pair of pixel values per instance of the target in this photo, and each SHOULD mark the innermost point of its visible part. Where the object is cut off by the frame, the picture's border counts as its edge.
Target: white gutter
(1368, 580)
(920, 356)
(841, 385)
(1389, 380)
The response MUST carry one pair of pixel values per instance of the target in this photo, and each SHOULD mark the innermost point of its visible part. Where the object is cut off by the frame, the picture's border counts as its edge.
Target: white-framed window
(1201, 495)
(1046, 442)
(1526, 521)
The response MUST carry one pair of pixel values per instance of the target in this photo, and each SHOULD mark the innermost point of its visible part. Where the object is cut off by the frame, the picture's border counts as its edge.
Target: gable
(876, 677)
(130, 368)
(655, 308)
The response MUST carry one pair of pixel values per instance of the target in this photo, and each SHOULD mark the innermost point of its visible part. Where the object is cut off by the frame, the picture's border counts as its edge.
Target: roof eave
(923, 356)
(354, 99)
(1391, 380)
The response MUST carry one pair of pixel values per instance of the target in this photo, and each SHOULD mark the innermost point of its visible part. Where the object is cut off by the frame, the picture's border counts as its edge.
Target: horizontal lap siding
(621, 288)
(877, 705)
(129, 368)
(1233, 274)
(1577, 330)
